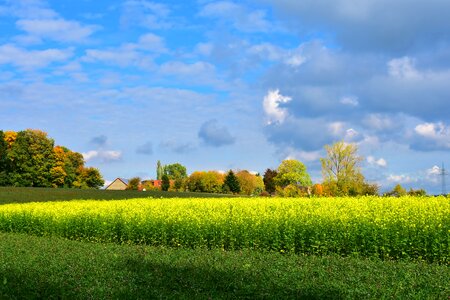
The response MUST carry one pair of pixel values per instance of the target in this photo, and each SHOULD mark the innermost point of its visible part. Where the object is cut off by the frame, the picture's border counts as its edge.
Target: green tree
(165, 182)
(32, 158)
(269, 180)
(231, 183)
(159, 170)
(3, 160)
(341, 170)
(175, 171)
(292, 171)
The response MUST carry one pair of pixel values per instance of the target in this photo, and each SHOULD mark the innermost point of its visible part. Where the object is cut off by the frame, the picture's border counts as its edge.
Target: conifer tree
(231, 183)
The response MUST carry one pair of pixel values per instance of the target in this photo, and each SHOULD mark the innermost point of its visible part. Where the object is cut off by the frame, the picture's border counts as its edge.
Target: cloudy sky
(216, 85)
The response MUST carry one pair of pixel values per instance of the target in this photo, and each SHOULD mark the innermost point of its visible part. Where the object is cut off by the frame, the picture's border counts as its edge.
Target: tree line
(29, 158)
(341, 173)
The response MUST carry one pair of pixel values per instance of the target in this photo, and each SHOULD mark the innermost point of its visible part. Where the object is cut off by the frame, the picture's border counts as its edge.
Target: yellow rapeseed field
(390, 228)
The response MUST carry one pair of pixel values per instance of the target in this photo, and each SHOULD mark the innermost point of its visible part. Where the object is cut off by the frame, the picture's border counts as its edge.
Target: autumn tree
(397, 191)
(33, 160)
(317, 190)
(133, 183)
(89, 178)
(207, 182)
(250, 184)
(269, 180)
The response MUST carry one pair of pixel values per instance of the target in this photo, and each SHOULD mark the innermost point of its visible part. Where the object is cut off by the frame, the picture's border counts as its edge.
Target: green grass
(54, 268)
(27, 194)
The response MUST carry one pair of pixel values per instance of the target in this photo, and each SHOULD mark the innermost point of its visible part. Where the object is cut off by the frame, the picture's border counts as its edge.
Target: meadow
(29, 194)
(55, 268)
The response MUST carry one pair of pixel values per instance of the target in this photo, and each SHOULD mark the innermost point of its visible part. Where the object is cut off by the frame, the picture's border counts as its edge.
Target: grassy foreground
(28, 194)
(53, 268)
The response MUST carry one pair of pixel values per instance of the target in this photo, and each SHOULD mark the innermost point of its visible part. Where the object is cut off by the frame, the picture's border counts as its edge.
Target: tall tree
(269, 182)
(292, 172)
(231, 183)
(159, 170)
(341, 170)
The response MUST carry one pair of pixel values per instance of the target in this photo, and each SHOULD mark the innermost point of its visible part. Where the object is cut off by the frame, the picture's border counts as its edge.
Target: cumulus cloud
(56, 29)
(271, 105)
(381, 162)
(32, 59)
(102, 155)
(349, 100)
(152, 42)
(304, 156)
(401, 179)
(146, 149)
(431, 136)
(215, 135)
(403, 68)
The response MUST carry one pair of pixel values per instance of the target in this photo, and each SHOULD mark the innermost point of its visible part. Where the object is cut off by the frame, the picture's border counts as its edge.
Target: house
(119, 184)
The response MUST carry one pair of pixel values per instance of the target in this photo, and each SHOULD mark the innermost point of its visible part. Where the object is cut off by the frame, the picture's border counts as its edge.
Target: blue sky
(216, 85)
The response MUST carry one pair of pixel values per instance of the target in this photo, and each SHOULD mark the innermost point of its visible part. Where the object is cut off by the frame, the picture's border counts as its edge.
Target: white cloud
(402, 178)
(435, 170)
(56, 29)
(152, 42)
(403, 67)
(351, 135)
(307, 156)
(10, 54)
(102, 155)
(434, 174)
(271, 105)
(349, 100)
(381, 162)
(436, 133)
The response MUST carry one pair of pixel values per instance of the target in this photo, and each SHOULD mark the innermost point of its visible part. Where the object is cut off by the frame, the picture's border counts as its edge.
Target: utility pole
(443, 173)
